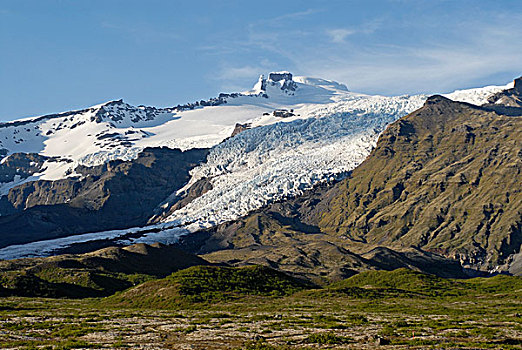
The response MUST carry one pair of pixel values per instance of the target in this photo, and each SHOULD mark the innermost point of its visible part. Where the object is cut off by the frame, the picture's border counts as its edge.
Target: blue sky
(62, 55)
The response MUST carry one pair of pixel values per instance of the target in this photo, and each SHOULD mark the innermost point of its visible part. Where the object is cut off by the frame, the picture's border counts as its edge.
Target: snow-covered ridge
(327, 131)
(117, 130)
(477, 96)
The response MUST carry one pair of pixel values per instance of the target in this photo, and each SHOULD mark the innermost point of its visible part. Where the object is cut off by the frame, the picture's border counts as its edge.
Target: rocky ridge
(117, 194)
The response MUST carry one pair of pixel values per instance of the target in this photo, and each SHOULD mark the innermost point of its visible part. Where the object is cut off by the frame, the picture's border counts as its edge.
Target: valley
(346, 222)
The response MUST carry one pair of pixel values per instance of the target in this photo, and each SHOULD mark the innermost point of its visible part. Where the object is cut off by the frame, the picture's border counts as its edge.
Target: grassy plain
(389, 310)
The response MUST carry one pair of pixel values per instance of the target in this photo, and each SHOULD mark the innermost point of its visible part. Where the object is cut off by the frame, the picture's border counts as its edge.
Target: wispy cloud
(231, 73)
(360, 56)
(339, 35)
(265, 34)
(293, 15)
(233, 78)
(481, 52)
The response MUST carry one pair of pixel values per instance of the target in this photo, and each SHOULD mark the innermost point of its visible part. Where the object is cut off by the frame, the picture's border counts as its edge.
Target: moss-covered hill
(99, 273)
(416, 284)
(446, 178)
(201, 286)
(208, 284)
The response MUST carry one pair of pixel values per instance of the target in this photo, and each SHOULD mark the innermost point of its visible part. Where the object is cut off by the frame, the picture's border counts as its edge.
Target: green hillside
(208, 284)
(445, 178)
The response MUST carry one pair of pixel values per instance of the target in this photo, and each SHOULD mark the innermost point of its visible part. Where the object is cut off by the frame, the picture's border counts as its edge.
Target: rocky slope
(446, 178)
(116, 194)
(283, 237)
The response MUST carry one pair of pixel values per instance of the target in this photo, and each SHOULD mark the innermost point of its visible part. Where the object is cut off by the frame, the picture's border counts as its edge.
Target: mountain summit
(285, 84)
(281, 80)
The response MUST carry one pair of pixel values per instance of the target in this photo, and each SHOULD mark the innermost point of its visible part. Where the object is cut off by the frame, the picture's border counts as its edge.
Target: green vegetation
(259, 308)
(260, 280)
(403, 280)
(208, 284)
(73, 283)
(326, 338)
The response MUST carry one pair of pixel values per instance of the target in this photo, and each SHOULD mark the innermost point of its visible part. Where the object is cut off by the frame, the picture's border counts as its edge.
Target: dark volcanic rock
(118, 194)
(280, 76)
(283, 113)
(21, 164)
(518, 85)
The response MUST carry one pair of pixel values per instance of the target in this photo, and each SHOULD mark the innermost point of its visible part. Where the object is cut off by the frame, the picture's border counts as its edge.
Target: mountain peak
(114, 103)
(278, 76)
(436, 99)
(280, 80)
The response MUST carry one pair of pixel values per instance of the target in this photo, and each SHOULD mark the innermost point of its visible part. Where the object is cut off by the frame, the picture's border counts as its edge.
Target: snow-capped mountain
(282, 137)
(117, 130)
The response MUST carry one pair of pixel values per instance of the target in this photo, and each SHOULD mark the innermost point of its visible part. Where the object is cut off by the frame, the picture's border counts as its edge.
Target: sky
(59, 55)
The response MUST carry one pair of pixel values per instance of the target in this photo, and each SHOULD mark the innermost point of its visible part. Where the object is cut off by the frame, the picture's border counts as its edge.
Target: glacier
(329, 132)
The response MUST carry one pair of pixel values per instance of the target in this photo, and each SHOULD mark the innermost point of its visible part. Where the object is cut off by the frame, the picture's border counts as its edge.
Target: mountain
(443, 181)
(114, 195)
(446, 178)
(102, 170)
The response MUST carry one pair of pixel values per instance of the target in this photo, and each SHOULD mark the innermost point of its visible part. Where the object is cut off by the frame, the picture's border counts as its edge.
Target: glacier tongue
(272, 162)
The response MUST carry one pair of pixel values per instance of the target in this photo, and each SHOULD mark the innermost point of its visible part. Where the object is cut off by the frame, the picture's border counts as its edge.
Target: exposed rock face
(22, 165)
(518, 85)
(510, 97)
(283, 113)
(240, 128)
(117, 194)
(277, 76)
(175, 202)
(289, 85)
(282, 80)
